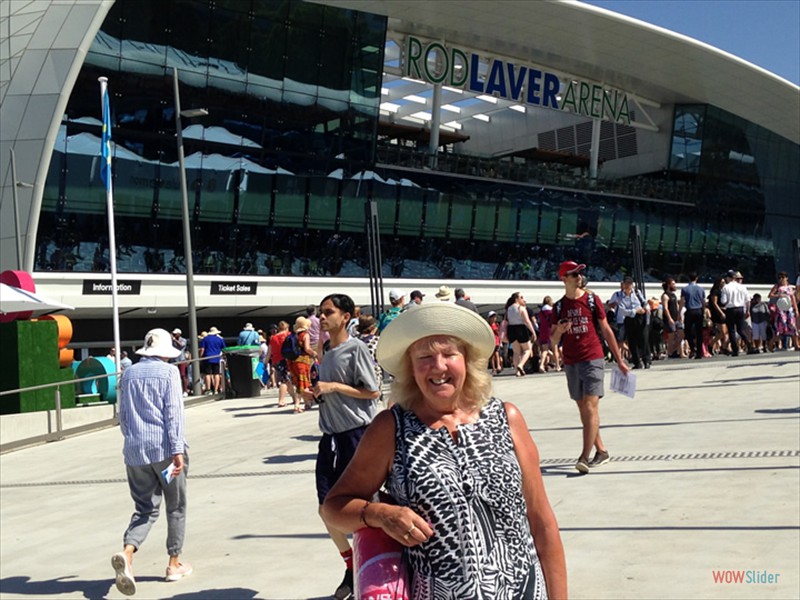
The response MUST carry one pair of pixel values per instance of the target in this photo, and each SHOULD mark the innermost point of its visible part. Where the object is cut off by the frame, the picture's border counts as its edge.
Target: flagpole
(105, 173)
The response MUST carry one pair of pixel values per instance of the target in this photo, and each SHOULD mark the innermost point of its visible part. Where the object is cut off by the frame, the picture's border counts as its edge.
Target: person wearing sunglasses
(577, 323)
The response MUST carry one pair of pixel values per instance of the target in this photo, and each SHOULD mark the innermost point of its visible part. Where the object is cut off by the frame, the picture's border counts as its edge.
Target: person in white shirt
(736, 300)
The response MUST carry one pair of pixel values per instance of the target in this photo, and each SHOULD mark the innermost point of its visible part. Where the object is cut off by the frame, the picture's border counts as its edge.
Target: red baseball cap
(569, 266)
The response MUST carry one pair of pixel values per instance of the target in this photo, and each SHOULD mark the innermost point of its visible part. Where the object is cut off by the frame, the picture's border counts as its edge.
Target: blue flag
(105, 144)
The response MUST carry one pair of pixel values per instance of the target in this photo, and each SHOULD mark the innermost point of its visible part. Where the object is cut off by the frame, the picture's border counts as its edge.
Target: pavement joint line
(544, 462)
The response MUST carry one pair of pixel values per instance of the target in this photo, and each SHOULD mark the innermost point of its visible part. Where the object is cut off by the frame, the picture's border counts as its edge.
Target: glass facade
(748, 182)
(280, 169)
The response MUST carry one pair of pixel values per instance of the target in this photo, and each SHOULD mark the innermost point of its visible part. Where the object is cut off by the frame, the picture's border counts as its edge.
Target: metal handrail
(58, 434)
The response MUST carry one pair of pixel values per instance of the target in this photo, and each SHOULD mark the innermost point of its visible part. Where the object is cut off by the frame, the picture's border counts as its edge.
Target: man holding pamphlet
(151, 419)
(578, 320)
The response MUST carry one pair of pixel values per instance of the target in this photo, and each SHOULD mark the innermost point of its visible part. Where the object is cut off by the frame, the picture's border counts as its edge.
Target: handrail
(58, 434)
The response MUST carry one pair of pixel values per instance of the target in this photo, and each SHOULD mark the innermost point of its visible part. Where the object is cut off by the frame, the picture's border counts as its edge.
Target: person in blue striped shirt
(151, 419)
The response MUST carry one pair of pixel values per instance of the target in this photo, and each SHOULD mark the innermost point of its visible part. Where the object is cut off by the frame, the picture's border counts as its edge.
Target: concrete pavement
(704, 479)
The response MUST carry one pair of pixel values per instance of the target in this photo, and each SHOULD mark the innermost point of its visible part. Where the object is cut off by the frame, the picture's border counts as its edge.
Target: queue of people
(372, 467)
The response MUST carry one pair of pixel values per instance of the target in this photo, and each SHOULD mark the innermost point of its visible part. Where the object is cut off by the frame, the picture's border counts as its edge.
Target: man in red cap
(578, 320)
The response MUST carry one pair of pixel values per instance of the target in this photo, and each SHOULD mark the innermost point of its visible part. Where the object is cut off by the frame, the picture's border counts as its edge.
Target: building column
(595, 151)
(436, 118)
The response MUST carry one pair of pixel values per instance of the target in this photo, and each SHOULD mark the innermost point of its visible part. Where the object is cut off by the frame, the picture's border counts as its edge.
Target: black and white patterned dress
(470, 490)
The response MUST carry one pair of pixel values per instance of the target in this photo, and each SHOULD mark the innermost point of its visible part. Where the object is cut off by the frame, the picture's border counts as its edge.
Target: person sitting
(469, 530)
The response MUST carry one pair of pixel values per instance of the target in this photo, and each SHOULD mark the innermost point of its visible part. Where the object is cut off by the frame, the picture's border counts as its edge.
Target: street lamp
(17, 184)
(187, 233)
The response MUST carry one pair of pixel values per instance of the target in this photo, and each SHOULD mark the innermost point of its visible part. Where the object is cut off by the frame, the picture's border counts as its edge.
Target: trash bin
(243, 369)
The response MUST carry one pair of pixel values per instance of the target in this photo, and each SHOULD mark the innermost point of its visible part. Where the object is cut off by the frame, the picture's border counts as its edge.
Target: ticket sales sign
(224, 288)
(436, 63)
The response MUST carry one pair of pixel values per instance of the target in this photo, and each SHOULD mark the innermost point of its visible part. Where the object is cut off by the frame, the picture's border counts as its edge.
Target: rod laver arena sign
(436, 63)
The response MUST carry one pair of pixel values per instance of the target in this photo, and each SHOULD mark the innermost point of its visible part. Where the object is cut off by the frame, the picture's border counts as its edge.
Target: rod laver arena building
(497, 139)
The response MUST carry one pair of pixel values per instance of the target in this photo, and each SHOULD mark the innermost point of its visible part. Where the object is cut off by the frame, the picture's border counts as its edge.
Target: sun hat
(302, 324)
(214, 331)
(432, 319)
(158, 342)
(568, 267)
(444, 293)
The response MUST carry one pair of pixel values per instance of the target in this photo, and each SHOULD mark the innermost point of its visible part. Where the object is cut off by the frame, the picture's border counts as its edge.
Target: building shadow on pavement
(284, 459)
(236, 593)
(69, 585)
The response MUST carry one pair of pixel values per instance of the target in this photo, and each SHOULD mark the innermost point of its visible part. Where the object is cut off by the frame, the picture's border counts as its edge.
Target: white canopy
(14, 299)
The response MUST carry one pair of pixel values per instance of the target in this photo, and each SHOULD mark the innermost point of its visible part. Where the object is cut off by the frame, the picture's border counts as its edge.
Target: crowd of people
(372, 467)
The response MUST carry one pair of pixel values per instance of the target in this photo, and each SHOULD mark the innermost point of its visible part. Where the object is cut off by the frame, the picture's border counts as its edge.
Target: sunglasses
(573, 274)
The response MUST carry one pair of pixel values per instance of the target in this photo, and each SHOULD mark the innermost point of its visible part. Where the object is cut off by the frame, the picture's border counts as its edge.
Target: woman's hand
(399, 522)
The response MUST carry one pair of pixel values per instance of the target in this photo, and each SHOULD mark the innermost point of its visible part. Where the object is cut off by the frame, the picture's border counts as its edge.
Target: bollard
(59, 427)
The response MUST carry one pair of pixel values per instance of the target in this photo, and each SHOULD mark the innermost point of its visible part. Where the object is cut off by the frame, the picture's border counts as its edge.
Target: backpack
(290, 348)
(591, 300)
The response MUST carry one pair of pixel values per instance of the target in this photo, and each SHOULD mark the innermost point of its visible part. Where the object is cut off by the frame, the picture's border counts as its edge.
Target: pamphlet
(623, 384)
(167, 473)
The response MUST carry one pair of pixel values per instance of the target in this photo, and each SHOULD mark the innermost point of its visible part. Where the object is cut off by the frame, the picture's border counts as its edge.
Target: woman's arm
(347, 506)
(526, 319)
(307, 347)
(544, 526)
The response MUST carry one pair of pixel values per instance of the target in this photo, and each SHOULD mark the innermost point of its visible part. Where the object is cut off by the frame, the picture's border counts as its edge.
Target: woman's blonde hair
(477, 386)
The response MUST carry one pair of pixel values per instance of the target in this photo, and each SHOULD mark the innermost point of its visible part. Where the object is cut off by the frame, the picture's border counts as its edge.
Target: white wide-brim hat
(158, 342)
(432, 319)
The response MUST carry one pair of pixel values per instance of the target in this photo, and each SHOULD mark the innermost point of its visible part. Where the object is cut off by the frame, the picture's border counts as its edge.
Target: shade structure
(16, 300)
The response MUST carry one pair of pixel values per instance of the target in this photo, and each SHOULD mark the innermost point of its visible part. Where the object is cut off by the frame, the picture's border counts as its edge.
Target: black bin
(242, 367)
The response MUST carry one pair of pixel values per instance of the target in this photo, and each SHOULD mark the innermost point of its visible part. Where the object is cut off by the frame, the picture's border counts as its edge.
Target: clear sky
(763, 32)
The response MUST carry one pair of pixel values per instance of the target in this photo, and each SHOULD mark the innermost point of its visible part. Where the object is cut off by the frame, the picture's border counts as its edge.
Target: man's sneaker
(345, 589)
(582, 465)
(179, 572)
(125, 582)
(600, 458)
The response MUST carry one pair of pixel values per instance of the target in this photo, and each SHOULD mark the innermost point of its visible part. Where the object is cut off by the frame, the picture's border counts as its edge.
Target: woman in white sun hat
(461, 465)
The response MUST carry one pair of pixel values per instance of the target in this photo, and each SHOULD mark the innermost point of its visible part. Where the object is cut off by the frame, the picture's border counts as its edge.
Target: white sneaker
(179, 572)
(124, 580)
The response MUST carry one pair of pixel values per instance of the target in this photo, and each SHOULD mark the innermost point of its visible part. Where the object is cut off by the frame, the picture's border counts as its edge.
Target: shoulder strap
(640, 296)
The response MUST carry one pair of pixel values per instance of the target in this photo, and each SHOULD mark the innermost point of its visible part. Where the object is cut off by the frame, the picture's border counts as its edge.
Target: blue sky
(763, 32)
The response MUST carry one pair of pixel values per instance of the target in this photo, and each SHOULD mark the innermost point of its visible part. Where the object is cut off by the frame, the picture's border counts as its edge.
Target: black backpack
(291, 347)
(595, 321)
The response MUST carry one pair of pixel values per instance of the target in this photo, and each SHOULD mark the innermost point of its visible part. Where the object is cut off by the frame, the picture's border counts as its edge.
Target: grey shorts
(585, 379)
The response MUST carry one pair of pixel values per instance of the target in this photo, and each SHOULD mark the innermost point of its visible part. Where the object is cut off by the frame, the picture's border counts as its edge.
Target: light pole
(187, 234)
(17, 184)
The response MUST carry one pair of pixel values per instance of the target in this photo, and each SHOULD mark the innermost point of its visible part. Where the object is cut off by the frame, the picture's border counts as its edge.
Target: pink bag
(381, 570)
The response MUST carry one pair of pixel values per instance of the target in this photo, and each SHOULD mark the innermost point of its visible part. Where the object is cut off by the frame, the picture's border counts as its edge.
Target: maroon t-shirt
(581, 342)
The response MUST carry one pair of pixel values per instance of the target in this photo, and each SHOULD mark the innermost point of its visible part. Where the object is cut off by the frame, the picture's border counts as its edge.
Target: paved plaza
(704, 482)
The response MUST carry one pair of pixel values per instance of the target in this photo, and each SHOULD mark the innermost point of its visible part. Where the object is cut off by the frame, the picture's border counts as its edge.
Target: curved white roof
(597, 44)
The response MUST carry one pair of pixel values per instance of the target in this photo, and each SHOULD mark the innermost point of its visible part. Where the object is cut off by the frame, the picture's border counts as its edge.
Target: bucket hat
(158, 342)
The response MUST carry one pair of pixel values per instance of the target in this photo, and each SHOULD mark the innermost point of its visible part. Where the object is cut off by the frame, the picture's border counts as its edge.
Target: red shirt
(581, 342)
(275, 343)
